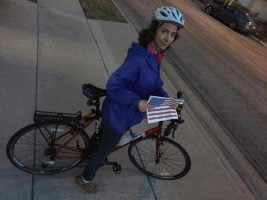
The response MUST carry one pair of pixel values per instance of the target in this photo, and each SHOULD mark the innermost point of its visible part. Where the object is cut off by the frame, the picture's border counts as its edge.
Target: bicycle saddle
(93, 92)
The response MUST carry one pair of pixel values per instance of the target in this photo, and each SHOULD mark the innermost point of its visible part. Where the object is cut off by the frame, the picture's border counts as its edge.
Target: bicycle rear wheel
(173, 161)
(47, 148)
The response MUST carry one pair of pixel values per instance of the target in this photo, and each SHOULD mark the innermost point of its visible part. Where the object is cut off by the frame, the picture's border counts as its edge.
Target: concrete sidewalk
(47, 51)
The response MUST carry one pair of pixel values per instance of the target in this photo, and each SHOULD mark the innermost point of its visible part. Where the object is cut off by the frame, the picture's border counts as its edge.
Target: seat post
(97, 105)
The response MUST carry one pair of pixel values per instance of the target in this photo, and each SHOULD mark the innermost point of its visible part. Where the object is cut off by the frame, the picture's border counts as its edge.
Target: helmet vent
(163, 13)
(169, 14)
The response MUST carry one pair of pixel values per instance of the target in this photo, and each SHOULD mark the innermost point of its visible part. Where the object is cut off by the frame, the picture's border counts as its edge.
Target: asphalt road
(227, 70)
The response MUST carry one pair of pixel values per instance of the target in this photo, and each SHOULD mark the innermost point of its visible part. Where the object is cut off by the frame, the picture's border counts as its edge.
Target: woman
(130, 86)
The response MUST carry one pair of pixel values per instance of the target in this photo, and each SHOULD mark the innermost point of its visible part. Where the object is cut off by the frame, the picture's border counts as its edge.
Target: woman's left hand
(143, 106)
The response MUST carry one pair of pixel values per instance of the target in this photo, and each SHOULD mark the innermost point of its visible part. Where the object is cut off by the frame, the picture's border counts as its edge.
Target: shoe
(87, 187)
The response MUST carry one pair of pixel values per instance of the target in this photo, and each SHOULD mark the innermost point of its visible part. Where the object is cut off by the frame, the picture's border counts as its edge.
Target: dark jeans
(110, 139)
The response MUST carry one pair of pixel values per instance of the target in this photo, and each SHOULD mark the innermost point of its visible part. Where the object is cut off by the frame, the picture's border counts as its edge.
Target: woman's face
(165, 35)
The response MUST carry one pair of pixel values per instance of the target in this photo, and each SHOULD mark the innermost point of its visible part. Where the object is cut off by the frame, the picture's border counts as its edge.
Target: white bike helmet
(169, 14)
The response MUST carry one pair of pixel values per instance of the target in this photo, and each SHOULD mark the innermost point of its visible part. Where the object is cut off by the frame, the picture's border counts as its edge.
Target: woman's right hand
(143, 106)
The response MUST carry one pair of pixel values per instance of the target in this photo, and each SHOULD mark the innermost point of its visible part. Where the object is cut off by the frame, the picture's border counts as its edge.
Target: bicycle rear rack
(42, 116)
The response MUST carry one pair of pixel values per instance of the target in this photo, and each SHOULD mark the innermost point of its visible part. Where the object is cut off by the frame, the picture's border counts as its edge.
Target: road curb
(259, 41)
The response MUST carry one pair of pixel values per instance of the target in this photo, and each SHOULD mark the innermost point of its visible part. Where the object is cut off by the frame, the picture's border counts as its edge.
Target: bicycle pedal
(116, 169)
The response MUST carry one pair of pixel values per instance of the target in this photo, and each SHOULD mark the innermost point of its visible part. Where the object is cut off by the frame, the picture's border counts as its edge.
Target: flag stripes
(162, 110)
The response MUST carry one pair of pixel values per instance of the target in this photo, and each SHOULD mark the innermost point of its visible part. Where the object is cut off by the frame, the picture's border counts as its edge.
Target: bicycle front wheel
(160, 158)
(47, 148)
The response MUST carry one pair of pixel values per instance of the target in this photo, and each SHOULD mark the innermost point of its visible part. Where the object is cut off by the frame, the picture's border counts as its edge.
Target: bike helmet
(169, 14)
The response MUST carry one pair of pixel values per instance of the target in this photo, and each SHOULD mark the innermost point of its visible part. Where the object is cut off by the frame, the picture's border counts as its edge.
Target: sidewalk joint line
(152, 188)
(36, 84)
(100, 52)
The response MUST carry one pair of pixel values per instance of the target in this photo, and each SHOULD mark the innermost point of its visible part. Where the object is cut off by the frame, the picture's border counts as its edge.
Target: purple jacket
(136, 79)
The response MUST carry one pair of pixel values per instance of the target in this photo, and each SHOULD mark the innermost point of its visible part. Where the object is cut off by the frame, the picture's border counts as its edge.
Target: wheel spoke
(46, 139)
(33, 148)
(173, 161)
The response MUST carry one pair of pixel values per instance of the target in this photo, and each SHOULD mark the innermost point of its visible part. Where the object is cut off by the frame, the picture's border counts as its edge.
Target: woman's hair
(147, 35)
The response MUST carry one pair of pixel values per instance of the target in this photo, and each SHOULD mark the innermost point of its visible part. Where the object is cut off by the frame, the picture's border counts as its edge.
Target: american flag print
(161, 113)
(164, 101)
(162, 110)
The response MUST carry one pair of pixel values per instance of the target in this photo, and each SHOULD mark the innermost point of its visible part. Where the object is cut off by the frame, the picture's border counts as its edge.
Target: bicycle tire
(36, 148)
(142, 154)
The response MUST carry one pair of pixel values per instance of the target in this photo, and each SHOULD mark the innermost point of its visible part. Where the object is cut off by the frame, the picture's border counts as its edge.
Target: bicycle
(57, 142)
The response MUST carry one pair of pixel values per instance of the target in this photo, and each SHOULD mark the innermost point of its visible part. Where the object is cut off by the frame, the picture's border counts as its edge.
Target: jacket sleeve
(159, 91)
(119, 83)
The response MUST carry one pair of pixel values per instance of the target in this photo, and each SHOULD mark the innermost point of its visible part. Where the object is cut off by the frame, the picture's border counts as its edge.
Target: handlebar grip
(179, 95)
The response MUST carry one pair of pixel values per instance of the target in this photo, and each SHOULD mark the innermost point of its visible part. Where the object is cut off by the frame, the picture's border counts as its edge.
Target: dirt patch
(101, 9)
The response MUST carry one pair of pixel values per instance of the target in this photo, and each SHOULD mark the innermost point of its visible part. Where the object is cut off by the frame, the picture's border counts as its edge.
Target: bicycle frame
(81, 128)
(87, 121)
(155, 131)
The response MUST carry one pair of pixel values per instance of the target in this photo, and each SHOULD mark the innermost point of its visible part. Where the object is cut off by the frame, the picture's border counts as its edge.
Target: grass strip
(101, 9)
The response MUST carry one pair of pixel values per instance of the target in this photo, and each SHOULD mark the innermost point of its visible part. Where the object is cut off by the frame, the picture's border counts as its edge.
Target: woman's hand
(143, 106)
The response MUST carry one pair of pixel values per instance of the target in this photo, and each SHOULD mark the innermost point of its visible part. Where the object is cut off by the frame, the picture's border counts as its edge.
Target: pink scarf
(151, 49)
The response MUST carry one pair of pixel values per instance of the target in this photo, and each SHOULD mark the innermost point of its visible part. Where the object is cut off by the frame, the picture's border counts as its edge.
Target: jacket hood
(139, 49)
(151, 59)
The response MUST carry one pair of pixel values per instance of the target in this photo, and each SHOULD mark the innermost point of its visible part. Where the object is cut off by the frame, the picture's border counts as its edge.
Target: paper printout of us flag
(162, 110)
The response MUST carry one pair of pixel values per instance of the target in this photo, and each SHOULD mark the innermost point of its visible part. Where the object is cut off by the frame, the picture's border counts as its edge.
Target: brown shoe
(87, 187)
